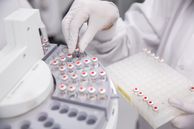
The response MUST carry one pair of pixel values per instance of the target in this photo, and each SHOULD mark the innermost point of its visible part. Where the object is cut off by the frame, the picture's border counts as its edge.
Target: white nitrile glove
(99, 15)
(185, 121)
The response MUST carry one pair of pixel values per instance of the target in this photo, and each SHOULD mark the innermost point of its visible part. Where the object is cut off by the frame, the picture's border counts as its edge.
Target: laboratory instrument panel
(148, 82)
(83, 96)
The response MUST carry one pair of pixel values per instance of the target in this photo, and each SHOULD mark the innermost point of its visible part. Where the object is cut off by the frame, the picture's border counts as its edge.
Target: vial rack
(149, 83)
(81, 79)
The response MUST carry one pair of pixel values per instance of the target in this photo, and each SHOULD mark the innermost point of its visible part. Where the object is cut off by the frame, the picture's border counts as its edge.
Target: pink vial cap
(135, 89)
(155, 108)
(69, 55)
(65, 77)
(94, 59)
(92, 73)
(150, 103)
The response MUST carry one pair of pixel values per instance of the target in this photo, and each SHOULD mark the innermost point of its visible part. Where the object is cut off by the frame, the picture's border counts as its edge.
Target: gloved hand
(185, 121)
(99, 15)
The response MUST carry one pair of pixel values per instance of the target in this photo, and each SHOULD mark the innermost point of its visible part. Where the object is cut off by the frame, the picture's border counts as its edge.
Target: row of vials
(81, 92)
(64, 66)
(150, 103)
(84, 76)
(149, 52)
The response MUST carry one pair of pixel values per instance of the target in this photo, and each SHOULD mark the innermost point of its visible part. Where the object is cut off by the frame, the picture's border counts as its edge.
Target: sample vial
(93, 76)
(91, 93)
(145, 98)
(161, 60)
(84, 76)
(78, 65)
(148, 52)
(77, 53)
(140, 93)
(82, 92)
(95, 62)
(44, 40)
(87, 62)
(155, 108)
(65, 79)
(70, 68)
(54, 62)
(69, 57)
(102, 75)
(62, 59)
(102, 94)
(72, 91)
(62, 69)
(145, 49)
(157, 57)
(150, 103)
(153, 55)
(192, 89)
(74, 78)
(62, 88)
(136, 89)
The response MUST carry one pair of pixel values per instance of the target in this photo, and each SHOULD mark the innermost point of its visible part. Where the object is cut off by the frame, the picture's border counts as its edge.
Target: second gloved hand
(99, 15)
(185, 121)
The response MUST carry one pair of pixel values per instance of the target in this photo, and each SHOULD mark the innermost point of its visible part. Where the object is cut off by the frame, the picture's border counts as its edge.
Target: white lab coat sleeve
(24, 4)
(142, 28)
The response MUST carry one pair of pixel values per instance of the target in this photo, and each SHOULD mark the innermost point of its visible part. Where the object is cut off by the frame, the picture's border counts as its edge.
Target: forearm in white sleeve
(143, 27)
(24, 4)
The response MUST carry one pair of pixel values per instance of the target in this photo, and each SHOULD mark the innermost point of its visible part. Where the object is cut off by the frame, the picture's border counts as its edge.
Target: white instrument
(25, 80)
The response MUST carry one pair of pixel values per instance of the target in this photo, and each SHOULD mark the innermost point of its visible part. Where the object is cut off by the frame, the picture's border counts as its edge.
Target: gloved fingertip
(70, 50)
(175, 123)
(82, 47)
(178, 123)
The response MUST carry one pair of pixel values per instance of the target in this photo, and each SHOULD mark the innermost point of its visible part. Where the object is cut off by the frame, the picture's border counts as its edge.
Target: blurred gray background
(124, 5)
